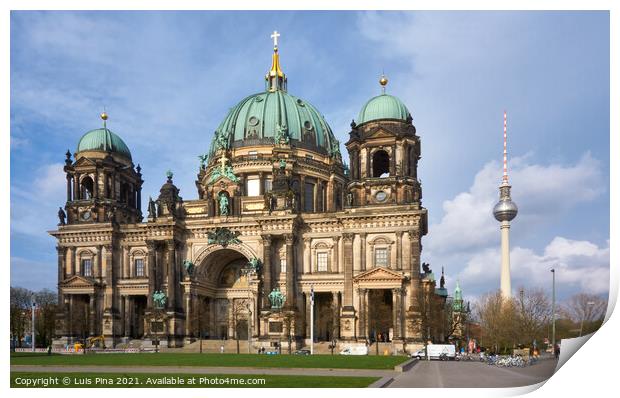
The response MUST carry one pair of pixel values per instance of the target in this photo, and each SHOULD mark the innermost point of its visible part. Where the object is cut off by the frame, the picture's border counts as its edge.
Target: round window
(253, 121)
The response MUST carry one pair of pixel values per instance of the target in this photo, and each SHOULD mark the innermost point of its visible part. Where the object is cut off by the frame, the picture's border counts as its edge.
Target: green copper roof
(103, 140)
(383, 106)
(259, 116)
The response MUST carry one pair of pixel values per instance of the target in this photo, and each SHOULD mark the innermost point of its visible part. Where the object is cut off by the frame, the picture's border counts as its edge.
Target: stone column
(336, 312)
(334, 266)
(399, 250)
(267, 273)
(127, 315)
(289, 240)
(395, 312)
(71, 326)
(414, 236)
(126, 265)
(139, 200)
(188, 313)
(172, 274)
(150, 247)
(307, 310)
(393, 161)
(348, 270)
(307, 259)
(76, 187)
(302, 193)
(366, 312)
(92, 313)
(96, 184)
(363, 251)
(61, 268)
(362, 310)
(68, 187)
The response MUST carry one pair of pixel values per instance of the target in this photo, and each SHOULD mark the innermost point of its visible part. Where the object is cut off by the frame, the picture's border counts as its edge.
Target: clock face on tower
(381, 196)
(86, 215)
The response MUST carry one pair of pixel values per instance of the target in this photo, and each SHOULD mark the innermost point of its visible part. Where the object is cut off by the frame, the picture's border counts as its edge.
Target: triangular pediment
(379, 274)
(380, 132)
(78, 281)
(84, 161)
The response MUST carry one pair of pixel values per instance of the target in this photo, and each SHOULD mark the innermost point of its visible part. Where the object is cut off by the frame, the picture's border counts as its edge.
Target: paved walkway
(472, 374)
(206, 370)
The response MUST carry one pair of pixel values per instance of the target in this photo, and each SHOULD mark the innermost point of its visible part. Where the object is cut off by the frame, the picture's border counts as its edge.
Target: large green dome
(256, 118)
(383, 106)
(103, 140)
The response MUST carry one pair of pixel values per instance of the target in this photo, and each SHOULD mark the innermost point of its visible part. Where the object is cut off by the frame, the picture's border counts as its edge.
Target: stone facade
(353, 237)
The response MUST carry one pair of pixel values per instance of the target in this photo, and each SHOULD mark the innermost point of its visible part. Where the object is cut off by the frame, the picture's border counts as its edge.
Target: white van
(437, 351)
(355, 350)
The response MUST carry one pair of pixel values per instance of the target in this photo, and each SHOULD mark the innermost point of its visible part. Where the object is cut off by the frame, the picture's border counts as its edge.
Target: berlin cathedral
(281, 226)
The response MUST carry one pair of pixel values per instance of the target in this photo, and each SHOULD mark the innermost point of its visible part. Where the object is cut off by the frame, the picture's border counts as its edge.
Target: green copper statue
(223, 205)
(203, 160)
(254, 264)
(276, 298)
(189, 267)
(159, 299)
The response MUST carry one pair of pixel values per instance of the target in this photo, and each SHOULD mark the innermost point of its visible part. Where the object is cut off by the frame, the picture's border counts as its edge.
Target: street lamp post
(32, 330)
(553, 310)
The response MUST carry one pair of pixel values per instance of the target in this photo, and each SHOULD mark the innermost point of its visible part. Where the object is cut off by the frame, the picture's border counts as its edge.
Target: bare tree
(533, 315)
(19, 315)
(587, 310)
(498, 317)
(46, 319)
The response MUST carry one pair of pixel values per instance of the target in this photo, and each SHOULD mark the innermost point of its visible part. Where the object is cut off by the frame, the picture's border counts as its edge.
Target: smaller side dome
(103, 140)
(383, 106)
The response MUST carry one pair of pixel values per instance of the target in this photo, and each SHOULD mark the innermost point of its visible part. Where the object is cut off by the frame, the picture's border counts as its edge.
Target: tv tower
(505, 211)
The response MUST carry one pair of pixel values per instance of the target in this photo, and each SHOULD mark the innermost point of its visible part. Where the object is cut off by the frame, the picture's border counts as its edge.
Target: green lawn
(216, 360)
(129, 380)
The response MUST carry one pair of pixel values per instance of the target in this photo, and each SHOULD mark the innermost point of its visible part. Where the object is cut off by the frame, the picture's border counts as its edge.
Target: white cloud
(541, 192)
(34, 204)
(579, 265)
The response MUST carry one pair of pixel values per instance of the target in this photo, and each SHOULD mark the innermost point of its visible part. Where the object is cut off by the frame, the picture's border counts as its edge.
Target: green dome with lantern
(275, 115)
(383, 107)
(103, 140)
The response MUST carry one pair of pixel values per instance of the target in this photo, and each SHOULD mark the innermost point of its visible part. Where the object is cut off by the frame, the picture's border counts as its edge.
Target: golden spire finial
(383, 82)
(104, 117)
(276, 80)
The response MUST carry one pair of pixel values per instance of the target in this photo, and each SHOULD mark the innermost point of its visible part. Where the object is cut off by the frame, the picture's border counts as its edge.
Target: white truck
(437, 351)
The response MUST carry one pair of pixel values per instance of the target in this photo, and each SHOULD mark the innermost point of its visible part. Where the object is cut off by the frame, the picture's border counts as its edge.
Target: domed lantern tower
(505, 211)
(102, 183)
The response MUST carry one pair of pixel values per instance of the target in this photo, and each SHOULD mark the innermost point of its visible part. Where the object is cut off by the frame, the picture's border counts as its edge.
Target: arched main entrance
(227, 304)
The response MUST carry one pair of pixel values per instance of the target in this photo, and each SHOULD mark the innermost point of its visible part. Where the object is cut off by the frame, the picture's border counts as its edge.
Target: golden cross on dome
(223, 161)
(275, 36)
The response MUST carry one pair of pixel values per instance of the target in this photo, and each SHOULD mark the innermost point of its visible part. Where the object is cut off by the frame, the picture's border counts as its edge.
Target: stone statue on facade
(281, 135)
(350, 199)
(276, 298)
(426, 267)
(61, 216)
(151, 208)
(159, 299)
(224, 210)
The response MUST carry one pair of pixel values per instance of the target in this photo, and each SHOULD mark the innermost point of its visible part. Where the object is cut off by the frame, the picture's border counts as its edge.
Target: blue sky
(167, 79)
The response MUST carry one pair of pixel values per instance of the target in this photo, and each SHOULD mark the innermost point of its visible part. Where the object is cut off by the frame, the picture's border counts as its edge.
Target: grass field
(142, 380)
(214, 360)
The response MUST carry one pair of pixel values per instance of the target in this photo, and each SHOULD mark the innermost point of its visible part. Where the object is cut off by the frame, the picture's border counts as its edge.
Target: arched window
(86, 190)
(381, 164)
